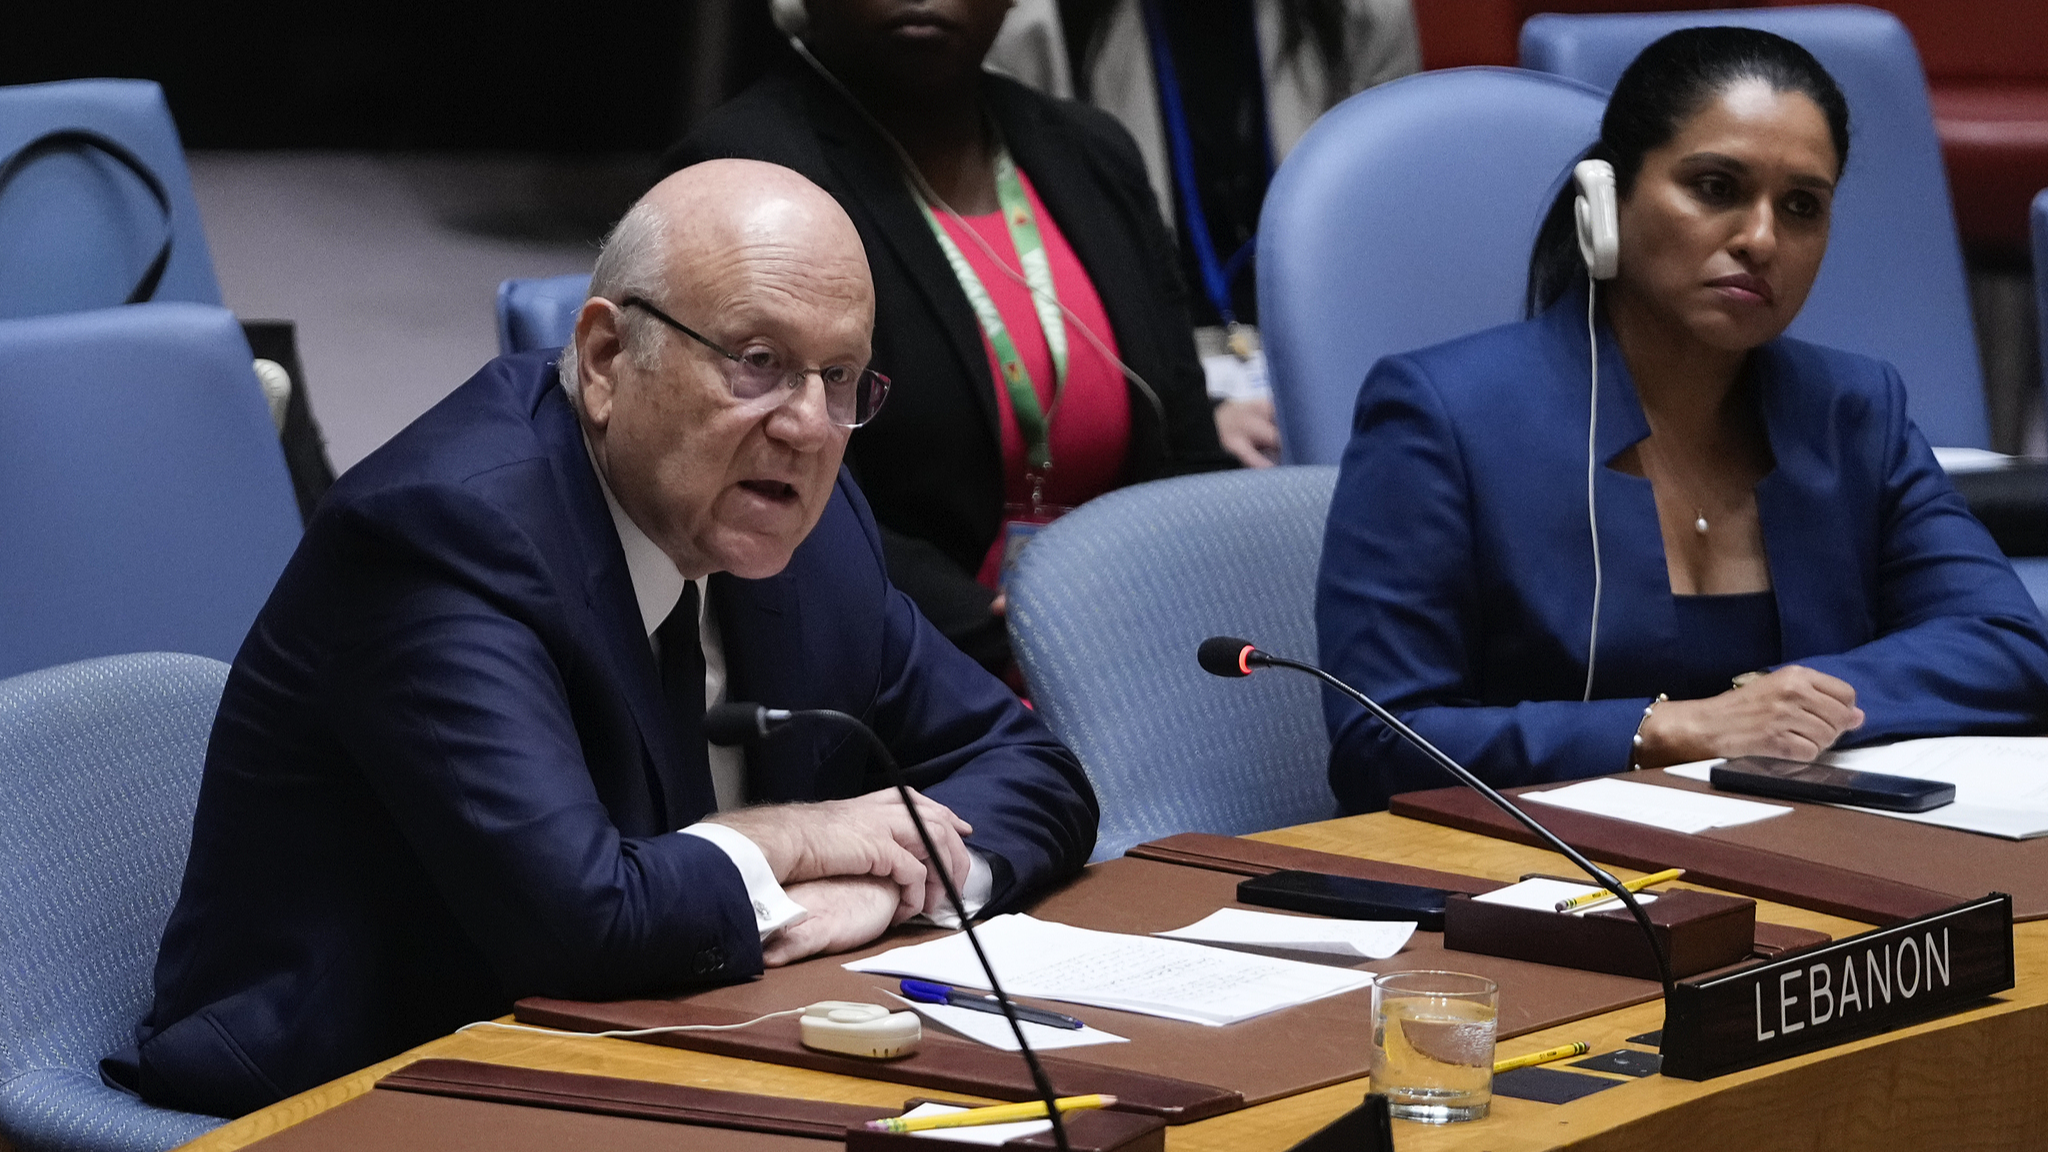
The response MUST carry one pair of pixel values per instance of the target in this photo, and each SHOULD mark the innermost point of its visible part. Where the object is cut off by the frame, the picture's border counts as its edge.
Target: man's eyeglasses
(852, 395)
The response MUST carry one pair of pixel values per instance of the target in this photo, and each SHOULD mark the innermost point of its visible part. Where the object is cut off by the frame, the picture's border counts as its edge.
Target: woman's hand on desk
(1793, 713)
(845, 912)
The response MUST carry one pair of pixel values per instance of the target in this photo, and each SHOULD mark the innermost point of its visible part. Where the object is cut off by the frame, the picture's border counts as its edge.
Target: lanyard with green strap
(1032, 422)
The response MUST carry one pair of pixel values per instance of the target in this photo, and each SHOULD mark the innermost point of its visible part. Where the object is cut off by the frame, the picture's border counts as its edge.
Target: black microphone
(1226, 656)
(737, 723)
(1232, 658)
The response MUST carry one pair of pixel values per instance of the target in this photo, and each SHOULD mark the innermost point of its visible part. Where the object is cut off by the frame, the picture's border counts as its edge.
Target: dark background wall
(407, 74)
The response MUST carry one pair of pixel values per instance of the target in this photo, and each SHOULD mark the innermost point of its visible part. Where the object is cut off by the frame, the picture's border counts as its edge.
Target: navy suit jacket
(1457, 571)
(432, 788)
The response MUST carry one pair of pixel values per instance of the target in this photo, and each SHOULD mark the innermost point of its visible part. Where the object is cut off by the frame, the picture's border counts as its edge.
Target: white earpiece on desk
(855, 1029)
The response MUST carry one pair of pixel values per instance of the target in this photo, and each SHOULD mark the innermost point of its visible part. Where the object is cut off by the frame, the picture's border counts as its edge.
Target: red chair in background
(1987, 76)
(1455, 33)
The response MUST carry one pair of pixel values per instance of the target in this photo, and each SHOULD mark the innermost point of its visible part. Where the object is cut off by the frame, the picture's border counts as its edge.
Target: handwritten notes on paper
(1156, 977)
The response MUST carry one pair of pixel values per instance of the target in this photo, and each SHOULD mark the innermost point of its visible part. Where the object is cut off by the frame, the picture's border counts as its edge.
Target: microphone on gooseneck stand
(1232, 658)
(735, 723)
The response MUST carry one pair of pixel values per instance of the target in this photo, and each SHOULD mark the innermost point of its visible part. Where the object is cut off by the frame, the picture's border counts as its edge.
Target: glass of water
(1432, 1044)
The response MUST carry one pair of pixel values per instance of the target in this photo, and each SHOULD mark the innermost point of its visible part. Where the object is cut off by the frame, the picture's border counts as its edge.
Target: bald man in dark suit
(460, 757)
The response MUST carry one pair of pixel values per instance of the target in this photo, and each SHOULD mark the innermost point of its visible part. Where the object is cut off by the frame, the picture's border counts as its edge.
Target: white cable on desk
(627, 1033)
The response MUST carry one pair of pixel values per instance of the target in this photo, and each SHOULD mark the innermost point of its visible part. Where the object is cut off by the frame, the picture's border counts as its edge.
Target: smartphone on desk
(1346, 897)
(1800, 780)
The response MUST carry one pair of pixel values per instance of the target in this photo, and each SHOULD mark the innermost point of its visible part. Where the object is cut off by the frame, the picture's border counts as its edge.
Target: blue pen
(926, 992)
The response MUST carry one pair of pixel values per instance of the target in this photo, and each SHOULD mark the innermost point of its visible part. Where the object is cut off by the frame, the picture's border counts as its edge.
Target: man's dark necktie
(686, 780)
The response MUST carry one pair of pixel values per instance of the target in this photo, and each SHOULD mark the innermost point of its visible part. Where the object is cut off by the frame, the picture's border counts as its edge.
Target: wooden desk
(1965, 1082)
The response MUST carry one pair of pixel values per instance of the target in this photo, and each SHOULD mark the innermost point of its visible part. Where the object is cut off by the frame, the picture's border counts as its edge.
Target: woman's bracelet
(1635, 747)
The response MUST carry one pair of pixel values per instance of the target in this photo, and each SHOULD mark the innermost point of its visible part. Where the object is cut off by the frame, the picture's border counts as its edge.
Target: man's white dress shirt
(658, 587)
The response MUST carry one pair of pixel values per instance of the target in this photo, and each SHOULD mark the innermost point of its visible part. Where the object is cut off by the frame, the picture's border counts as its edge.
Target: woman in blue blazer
(1780, 566)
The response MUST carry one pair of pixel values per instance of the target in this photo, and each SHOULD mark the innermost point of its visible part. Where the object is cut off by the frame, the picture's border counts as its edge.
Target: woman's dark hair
(1671, 80)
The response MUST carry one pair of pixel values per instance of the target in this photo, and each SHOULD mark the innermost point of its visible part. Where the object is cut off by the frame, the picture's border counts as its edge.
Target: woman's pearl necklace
(1699, 521)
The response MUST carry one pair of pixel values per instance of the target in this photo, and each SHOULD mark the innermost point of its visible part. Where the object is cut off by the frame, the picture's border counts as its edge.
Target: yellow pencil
(1575, 1048)
(1635, 885)
(999, 1114)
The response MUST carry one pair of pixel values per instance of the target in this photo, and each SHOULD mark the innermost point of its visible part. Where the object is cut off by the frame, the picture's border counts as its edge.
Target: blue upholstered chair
(2033, 570)
(1892, 285)
(1107, 607)
(99, 773)
(77, 227)
(144, 504)
(540, 312)
(1404, 218)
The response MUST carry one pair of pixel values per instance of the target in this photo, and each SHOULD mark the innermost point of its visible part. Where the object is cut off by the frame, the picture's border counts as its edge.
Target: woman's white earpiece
(789, 16)
(1599, 226)
(1600, 244)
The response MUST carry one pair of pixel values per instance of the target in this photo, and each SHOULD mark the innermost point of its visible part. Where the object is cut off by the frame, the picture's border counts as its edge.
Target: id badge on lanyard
(1021, 521)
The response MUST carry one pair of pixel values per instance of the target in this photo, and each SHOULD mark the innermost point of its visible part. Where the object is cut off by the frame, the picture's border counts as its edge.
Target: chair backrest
(77, 227)
(539, 312)
(1107, 607)
(144, 504)
(1892, 285)
(99, 774)
(1404, 218)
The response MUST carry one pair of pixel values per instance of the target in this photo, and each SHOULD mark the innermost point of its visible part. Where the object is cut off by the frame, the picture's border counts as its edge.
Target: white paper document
(1543, 895)
(994, 1030)
(1144, 974)
(1670, 808)
(1376, 939)
(993, 1135)
(2001, 781)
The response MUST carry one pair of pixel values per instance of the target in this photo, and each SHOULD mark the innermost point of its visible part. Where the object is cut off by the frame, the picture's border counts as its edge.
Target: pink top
(1091, 426)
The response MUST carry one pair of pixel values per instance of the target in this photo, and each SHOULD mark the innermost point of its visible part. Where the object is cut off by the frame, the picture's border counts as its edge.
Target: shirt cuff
(974, 892)
(773, 909)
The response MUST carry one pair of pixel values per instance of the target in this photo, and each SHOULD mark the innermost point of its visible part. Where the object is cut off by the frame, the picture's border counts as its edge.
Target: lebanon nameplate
(1832, 993)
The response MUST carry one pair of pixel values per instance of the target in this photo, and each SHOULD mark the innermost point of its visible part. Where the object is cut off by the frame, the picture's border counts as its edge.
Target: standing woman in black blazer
(948, 465)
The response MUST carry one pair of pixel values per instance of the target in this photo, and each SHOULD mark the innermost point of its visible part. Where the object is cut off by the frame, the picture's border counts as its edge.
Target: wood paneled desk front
(1967, 1081)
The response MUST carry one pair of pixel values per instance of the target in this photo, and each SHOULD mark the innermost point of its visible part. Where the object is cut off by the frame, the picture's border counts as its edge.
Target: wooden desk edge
(1625, 1114)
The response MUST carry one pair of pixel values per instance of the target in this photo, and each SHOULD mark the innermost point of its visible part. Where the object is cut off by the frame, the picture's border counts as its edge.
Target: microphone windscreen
(733, 723)
(1224, 656)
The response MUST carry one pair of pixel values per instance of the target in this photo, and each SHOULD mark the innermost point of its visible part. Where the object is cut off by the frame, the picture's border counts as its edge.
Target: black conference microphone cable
(1232, 658)
(736, 723)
